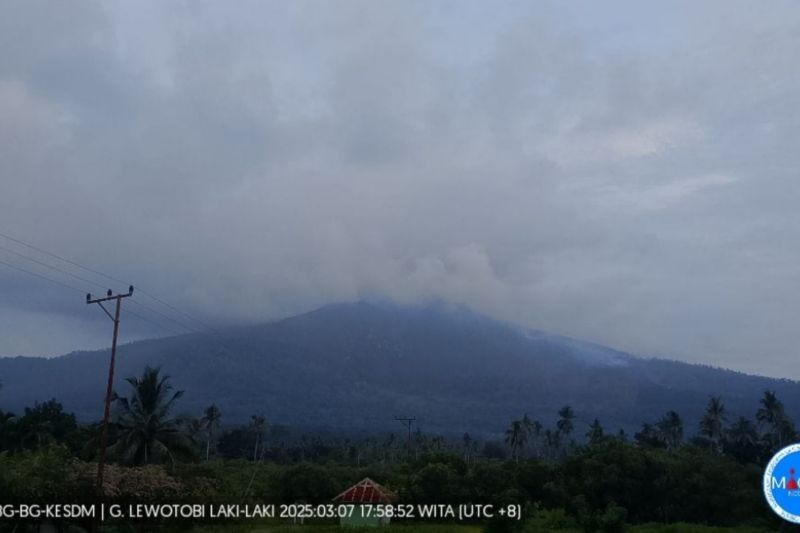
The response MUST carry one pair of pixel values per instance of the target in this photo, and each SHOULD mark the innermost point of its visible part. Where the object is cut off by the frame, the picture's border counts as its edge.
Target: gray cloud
(607, 172)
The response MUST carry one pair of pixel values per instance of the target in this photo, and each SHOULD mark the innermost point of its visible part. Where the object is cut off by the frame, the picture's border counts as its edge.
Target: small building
(363, 494)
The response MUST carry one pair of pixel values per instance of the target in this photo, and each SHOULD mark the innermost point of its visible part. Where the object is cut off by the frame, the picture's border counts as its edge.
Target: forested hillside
(356, 366)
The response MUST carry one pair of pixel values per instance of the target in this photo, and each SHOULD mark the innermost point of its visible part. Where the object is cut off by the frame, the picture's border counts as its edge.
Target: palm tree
(649, 436)
(145, 433)
(552, 443)
(566, 416)
(536, 430)
(527, 423)
(779, 427)
(743, 433)
(391, 442)
(418, 443)
(257, 423)
(210, 421)
(741, 441)
(771, 409)
(711, 425)
(595, 434)
(516, 438)
(670, 429)
(467, 440)
(565, 424)
(532, 428)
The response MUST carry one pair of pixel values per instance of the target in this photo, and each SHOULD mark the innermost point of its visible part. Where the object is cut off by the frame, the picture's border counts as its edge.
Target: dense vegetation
(573, 475)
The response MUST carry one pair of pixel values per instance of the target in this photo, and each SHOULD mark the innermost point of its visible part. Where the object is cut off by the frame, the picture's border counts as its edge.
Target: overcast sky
(621, 172)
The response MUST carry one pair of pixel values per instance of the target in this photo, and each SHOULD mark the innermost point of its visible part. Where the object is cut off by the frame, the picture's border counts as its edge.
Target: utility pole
(107, 413)
(407, 421)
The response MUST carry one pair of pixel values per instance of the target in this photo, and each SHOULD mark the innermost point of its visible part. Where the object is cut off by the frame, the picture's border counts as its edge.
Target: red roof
(366, 491)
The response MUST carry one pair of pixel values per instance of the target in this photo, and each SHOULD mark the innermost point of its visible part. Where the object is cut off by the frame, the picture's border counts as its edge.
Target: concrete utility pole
(406, 421)
(109, 390)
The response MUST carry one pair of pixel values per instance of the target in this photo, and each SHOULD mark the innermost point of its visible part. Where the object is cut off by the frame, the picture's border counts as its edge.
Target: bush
(549, 520)
(43, 476)
(613, 519)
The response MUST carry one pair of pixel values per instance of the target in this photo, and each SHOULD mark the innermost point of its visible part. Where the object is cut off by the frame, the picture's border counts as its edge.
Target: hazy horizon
(619, 173)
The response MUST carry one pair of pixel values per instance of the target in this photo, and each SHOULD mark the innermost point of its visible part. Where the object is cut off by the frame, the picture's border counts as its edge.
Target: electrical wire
(51, 267)
(67, 285)
(51, 254)
(159, 313)
(215, 336)
(107, 276)
(184, 313)
(156, 324)
(76, 289)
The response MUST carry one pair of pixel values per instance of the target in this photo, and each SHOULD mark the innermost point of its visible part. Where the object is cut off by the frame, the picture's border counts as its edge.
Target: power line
(81, 291)
(84, 280)
(76, 289)
(68, 286)
(159, 313)
(151, 322)
(184, 313)
(103, 274)
(40, 250)
(53, 267)
(46, 265)
(214, 334)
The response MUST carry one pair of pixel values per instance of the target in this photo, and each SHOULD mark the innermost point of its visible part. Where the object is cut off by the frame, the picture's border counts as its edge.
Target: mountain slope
(359, 365)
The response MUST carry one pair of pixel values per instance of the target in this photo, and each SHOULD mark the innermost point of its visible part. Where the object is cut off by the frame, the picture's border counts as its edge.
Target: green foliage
(516, 438)
(236, 443)
(484, 480)
(7, 430)
(780, 428)
(595, 435)
(670, 428)
(41, 425)
(612, 519)
(308, 483)
(504, 524)
(565, 423)
(43, 475)
(741, 441)
(493, 450)
(543, 520)
(536, 480)
(210, 422)
(437, 482)
(241, 481)
(713, 421)
(606, 485)
(144, 432)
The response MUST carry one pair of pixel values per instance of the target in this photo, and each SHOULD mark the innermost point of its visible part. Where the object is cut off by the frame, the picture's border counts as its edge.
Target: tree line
(746, 440)
(574, 472)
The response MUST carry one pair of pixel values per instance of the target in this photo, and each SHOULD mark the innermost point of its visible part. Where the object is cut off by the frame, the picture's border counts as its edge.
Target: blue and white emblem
(780, 483)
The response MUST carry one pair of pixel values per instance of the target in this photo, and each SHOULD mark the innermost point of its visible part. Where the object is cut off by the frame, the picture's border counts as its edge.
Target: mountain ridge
(357, 365)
